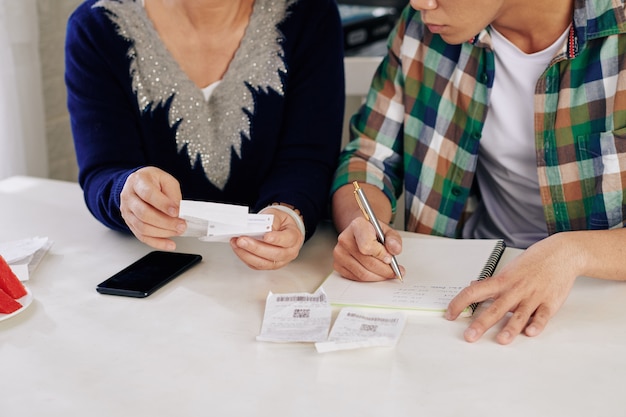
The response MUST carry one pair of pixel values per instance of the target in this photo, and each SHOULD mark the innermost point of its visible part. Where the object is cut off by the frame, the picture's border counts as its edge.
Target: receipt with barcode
(296, 317)
(357, 328)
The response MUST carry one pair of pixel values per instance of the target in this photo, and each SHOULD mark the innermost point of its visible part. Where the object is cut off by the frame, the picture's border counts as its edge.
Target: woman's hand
(150, 202)
(360, 257)
(276, 249)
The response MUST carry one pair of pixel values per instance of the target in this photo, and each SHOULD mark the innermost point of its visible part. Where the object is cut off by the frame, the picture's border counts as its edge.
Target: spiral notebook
(436, 270)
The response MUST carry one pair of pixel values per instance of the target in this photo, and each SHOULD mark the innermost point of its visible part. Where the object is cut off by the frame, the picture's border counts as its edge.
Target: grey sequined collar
(210, 130)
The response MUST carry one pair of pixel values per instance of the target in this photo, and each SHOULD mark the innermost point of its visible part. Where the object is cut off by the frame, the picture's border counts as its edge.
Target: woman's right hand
(360, 257)
(150, 202)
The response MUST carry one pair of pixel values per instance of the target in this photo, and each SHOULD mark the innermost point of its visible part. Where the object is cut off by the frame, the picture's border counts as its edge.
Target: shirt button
(456, 191)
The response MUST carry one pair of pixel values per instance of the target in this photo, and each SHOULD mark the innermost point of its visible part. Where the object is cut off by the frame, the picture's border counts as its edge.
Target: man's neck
(533, 25)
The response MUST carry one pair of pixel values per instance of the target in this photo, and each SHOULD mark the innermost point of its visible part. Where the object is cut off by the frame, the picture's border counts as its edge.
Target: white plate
(24, 301)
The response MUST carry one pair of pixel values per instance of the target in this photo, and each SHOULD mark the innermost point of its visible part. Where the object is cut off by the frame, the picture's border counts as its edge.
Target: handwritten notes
(436, 270)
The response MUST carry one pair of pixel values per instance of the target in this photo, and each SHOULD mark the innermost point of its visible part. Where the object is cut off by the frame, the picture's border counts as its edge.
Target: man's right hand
(358, 255)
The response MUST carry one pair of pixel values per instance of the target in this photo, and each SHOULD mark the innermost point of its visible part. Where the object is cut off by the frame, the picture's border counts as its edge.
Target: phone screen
(148, 274)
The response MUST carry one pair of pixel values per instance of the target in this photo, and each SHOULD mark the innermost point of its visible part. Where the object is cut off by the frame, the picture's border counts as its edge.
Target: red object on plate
(8, 304)
(9, 283)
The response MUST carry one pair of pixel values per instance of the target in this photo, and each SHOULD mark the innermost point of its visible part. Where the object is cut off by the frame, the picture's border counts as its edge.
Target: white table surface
(190, 348)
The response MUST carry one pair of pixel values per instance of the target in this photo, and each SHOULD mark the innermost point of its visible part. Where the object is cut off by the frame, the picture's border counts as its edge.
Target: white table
(190, 349)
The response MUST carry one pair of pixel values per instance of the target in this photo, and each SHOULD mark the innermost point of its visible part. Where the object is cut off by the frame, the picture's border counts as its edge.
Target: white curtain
(22, 124)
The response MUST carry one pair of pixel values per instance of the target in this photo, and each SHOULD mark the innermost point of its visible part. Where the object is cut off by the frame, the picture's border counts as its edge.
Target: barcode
(384, 320)
(301, 313)
(369, 328)
(292, 298)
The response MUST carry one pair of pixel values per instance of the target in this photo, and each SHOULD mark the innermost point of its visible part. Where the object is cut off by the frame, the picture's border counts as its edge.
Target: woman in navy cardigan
(232, 101)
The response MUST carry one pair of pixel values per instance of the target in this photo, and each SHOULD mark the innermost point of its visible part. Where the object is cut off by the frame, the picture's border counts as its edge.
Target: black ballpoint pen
(369, 215)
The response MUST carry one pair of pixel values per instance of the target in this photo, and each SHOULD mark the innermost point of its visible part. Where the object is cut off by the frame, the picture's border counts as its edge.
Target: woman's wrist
(293, 212)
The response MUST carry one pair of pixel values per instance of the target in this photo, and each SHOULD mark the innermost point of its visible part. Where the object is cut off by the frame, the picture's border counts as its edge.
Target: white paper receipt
(296, 317)
(23, 256)
(357, 328)
(217, 222)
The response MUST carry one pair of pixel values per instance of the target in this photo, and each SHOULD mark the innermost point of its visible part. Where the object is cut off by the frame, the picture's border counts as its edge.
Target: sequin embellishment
(210, 130)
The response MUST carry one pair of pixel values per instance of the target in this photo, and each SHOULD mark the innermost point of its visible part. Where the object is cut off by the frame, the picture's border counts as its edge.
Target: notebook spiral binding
(490, 267)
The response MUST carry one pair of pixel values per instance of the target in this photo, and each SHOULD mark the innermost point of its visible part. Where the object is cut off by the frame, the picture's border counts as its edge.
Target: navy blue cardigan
(286, 150)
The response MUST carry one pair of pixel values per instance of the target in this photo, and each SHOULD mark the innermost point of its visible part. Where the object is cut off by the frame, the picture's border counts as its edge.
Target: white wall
(53, 15)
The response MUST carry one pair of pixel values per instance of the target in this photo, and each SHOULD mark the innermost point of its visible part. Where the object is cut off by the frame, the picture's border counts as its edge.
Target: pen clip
(358, 200)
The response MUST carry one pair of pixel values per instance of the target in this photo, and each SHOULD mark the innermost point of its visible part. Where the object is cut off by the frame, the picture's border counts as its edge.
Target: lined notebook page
(436, 270)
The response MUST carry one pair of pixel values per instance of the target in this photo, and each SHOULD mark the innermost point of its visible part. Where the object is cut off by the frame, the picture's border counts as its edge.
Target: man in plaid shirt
(498, 119)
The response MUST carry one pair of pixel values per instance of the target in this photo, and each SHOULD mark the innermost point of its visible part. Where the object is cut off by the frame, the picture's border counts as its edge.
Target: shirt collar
(592, 19)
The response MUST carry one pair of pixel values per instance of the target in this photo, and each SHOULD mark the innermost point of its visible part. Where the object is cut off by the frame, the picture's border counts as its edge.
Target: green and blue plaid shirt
(421, 124)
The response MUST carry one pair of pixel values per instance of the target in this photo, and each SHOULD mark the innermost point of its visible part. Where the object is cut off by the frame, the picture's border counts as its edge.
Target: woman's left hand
(276, 249)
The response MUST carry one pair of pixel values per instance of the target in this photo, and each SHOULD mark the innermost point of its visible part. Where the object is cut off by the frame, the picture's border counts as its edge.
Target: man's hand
(360, 257)
(532, 287)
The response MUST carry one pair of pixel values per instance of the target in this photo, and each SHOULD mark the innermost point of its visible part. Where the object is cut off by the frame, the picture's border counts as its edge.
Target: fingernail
(470, 334)
(172, 211)
(394, 243)
(531, 330)
(505, 336)
(387, 259)
(447, 315)
(181, 227)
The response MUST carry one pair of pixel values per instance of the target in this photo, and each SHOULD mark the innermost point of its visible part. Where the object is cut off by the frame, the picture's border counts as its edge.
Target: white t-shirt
(507, 166)
(208, 90)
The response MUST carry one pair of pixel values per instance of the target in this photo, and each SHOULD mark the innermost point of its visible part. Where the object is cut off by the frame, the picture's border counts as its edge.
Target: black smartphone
(148, 274)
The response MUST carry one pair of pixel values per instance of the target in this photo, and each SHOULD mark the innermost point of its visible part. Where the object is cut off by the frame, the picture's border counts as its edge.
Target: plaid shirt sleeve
(418, 128)
(374, 154)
